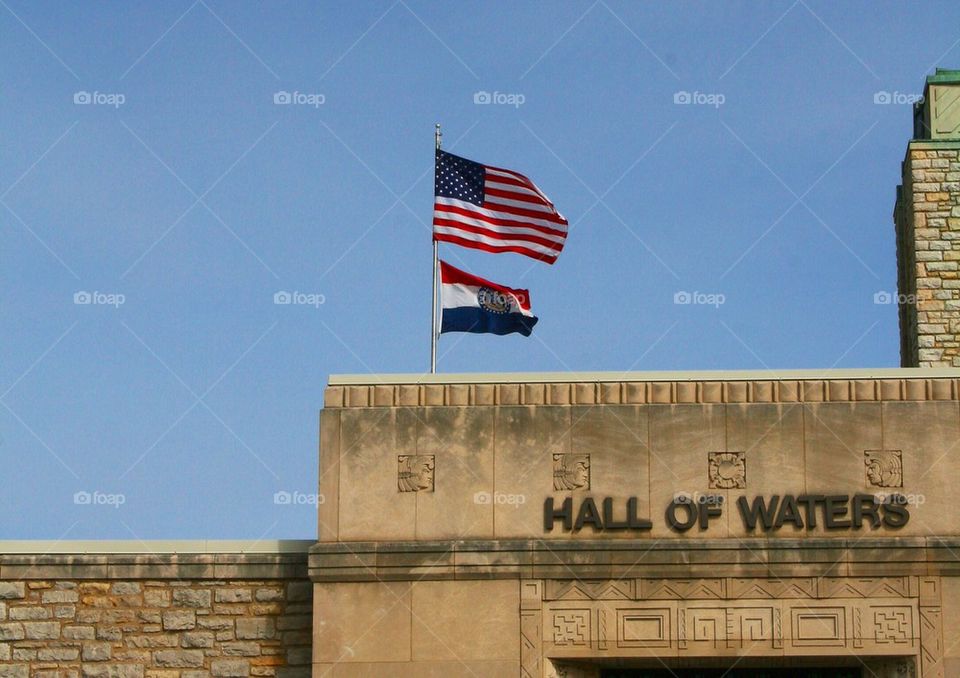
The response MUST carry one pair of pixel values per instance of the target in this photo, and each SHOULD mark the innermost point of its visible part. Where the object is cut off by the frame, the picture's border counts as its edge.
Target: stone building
(577, 524)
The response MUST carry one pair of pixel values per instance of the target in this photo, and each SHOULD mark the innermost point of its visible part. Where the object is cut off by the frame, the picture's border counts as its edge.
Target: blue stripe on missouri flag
(477, 320)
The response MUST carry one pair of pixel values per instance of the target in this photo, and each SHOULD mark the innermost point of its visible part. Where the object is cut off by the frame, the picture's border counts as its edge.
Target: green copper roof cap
(944, 75)
(936, 117)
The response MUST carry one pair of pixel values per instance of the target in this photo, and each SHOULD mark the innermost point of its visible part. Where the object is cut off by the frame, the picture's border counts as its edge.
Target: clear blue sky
(184, 188)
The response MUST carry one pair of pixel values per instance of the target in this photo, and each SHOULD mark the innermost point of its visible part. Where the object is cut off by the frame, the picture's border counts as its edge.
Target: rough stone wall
(928, 242)
(154, 628)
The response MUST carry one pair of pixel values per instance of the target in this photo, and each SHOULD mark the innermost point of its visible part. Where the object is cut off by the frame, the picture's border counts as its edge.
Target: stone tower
(927, 218)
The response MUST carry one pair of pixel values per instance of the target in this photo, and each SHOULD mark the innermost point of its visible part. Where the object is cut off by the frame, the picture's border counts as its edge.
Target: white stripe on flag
(501, 242)
(506, 230)
(535, 207)
(489, 183)
(457, 296)
(495, 214)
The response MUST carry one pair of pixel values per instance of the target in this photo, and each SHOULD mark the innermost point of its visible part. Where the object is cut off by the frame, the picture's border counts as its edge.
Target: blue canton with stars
(459, 178)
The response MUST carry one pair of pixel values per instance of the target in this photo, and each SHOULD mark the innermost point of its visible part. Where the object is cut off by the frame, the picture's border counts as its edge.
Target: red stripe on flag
(516, 195)
(482, 216)
(515, 175)
(506, 181)
(460, 226)
(520, 212)
(443, 237)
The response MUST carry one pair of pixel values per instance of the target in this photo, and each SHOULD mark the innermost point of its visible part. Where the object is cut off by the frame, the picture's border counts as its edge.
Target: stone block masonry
(927, 217)
(156, 615)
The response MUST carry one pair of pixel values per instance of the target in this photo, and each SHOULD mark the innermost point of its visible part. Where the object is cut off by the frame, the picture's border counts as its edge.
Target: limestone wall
(154, 615)
(928, 242)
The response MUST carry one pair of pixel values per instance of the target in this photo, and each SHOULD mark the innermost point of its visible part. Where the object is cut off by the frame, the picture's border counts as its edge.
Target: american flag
(495, 210)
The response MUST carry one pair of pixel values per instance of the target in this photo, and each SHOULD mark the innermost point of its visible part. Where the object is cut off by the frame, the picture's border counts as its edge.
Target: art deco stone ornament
(727, 470)
(415, 472)
(884, 468)
(571, 472)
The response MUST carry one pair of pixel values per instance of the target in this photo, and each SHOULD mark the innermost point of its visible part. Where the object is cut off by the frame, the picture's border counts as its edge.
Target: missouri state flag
(472, 304)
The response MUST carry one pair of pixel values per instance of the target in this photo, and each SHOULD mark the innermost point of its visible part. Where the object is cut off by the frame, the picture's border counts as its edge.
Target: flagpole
(433, 304)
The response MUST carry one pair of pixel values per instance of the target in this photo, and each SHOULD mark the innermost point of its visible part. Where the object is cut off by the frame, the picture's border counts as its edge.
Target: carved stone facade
(884, 468)
(571, 472)
(464, 578)
(891, 622)
(415, 472)
(727, 470)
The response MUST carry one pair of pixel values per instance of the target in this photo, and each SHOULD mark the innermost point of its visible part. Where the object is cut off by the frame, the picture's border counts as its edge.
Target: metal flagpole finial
(438, 135)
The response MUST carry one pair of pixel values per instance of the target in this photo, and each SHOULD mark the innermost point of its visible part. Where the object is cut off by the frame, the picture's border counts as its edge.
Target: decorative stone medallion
(727, 470)
(884, 468)
(415, 472)
(571, 472)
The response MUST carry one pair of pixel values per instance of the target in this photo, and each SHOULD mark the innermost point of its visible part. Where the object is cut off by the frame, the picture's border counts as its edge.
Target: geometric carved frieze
(931, 646)
(623, 589)
(929, 591)
(531, 629)
(531, 647)
(703, 627)
(738, 588)
(864, 587)
(892, 624)
(750, 627)
(818, 626)
(931, 628)
(643, 627)
(572, 626)
(791, 587)
(682, 589)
